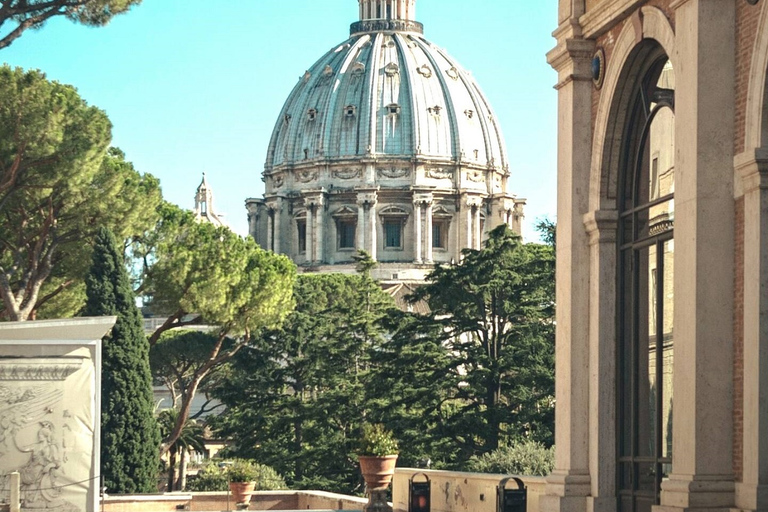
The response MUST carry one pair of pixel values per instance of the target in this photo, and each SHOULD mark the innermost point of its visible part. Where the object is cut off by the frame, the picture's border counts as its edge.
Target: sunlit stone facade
(386, 144)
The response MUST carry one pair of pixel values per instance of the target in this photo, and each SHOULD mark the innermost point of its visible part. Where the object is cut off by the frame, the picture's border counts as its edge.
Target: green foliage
(25, 14)
(295, 396)
(241, 471)
(215, 476)
(225, 280)
(526, 458)
(377, 441)
(478, 371)
(129, 432)
(58, 185)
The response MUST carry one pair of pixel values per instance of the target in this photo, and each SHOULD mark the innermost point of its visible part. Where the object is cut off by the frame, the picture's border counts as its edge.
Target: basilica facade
(388, 145)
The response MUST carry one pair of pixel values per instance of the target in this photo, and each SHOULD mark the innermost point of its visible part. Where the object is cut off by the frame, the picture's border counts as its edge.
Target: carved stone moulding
(347, 174)
(438, 173)
(392, 172)
(476, 176)
(277, 180)
(38, 369)
(306, 175)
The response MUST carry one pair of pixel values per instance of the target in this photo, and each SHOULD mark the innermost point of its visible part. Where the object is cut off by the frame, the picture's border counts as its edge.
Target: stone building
(662, 256)
(385, 144)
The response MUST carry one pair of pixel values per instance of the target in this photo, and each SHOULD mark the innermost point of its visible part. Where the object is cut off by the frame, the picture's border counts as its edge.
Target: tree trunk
(171, 470)
(182, 480)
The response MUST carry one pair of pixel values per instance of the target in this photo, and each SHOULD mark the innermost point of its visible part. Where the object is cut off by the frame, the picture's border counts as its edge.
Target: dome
(386, 145)
(388, 93)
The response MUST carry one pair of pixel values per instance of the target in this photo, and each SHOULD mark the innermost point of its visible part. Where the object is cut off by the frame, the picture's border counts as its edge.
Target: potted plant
(377, 455)
(242, 480)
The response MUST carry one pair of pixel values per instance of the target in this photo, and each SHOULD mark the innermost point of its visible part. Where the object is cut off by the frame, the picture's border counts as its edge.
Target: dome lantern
(387, 10)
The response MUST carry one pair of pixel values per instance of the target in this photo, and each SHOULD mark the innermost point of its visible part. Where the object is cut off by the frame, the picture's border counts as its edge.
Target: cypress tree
(130, 436)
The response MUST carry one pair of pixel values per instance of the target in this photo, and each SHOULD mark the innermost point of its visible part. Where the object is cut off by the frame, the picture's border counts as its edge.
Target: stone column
(478, 229)
(360, 242)
(372, 245)
(470, 208)
(277, 228)
(702, 475)
(569, 483)
(309, 252)
(428, 229)
(752, 491)
(270, 229)
(320, 230)
(417, 230)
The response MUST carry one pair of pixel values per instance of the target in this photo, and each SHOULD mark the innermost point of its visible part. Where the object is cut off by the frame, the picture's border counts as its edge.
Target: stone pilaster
(569, 483)
(702, 474)
(314, 201)
(417, 230)
(366, 202)
(601, 228)
(752, 491)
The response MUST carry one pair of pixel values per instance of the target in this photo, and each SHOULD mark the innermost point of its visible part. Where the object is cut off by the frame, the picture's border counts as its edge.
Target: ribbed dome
(387, 92)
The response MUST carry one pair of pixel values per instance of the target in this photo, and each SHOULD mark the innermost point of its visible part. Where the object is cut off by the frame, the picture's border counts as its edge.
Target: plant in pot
(377, 456)
(242, 480)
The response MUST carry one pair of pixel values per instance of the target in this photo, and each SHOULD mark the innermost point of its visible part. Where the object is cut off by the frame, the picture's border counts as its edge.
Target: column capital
(423, 198)
(752, 167)
(314, 197)
(367, 198)
(471, 201)
(601, 226)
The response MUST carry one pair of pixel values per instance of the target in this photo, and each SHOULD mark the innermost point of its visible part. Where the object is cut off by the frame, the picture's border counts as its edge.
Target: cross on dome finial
(387, 10)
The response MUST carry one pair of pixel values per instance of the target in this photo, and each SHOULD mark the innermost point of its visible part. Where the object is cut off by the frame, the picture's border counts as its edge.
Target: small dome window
(312, 114)
(435, 110)
(391, 69)
(287, 118)
(328, 71)
(350, 110)
(393, 109)
(424, 71)
(469, 113)
(453, 73)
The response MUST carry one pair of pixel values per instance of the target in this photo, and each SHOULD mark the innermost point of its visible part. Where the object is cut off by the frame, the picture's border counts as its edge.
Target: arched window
(645, 288)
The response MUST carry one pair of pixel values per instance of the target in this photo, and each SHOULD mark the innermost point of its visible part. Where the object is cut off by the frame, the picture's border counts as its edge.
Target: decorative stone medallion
(439, 173)
(306, 175)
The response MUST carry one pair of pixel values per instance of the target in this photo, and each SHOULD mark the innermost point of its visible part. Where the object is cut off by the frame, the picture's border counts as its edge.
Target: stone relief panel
(476, 176)
(347, 174)
(392, 173)
(306, 176)
(439, 174)
(46, 431)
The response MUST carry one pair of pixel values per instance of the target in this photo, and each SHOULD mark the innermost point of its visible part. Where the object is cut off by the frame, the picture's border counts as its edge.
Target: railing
(454, 490)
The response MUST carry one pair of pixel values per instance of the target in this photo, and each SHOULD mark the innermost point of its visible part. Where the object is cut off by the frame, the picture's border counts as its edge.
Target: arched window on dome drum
(645, 288)
(301, 233)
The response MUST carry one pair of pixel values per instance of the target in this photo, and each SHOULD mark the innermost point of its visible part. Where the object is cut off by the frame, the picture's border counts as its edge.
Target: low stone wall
(208, 501)
(453, 491)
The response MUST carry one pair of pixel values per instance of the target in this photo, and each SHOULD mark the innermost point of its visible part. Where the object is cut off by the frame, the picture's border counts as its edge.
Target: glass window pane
(392, 233)
(645, 356)
(668, 351)
(346, 233)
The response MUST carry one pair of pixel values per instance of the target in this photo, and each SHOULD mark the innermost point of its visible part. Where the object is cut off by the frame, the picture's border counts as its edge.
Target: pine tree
(130, 436)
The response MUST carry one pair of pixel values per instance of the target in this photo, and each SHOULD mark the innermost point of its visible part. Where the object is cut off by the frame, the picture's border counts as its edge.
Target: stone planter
(241, 491)
(377, 471)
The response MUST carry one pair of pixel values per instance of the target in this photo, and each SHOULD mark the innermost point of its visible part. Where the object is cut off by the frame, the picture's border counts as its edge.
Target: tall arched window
(645, 288)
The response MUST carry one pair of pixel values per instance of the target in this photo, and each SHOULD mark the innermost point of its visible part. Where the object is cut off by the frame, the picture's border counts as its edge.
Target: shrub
(528, 458)
(216, 476)
(377, 441)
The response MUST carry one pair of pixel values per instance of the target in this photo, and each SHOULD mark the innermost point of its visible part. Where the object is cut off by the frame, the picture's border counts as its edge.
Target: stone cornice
(38, 369)
(606, 15)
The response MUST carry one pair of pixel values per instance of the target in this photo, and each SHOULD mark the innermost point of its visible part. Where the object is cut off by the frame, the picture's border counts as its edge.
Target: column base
(565, 493)
(713, 493)
(751, 497)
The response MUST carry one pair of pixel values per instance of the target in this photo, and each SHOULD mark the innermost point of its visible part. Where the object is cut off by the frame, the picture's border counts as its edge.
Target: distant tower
(204, 211)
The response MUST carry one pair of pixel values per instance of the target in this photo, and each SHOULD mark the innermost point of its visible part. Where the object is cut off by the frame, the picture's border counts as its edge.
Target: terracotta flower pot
(377, 471)
(241, 491)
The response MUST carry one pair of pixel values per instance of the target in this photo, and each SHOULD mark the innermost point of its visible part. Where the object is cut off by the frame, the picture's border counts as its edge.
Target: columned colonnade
(388, 9)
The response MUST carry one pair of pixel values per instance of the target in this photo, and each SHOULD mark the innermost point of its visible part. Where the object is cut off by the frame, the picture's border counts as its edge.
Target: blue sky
(195, 86)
